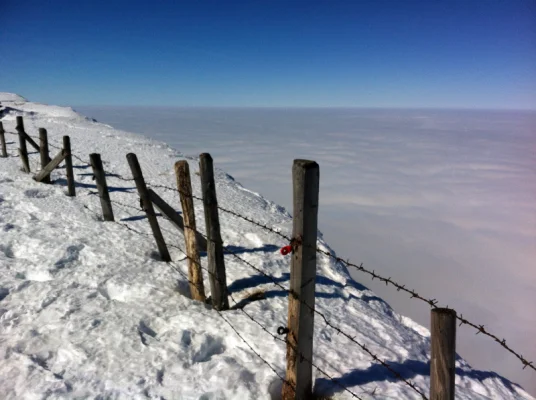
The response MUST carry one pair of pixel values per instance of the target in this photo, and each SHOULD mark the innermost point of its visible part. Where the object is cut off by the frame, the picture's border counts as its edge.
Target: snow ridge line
(388, 281)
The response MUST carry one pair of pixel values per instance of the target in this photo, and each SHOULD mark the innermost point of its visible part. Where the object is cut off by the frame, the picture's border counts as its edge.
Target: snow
(87, 310)
(11, 97)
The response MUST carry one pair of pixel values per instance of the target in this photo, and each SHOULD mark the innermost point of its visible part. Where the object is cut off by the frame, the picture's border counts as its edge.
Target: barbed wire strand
(388, 281)
(261, 325)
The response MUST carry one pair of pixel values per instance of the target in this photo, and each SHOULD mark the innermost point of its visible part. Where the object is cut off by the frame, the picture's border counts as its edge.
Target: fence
(298, 334)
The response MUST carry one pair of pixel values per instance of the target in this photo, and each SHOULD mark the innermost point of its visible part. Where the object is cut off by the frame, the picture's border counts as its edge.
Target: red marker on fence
(285, 250)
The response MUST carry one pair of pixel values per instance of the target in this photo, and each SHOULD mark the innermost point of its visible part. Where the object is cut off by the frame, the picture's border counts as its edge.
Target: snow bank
(88, 311)
(11, 97)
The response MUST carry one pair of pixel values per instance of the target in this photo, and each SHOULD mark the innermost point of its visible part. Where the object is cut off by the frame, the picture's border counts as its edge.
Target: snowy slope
(11, 97)
(88, 311)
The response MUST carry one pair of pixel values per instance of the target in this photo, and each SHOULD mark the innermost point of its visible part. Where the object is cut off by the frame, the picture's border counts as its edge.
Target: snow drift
(88, 311)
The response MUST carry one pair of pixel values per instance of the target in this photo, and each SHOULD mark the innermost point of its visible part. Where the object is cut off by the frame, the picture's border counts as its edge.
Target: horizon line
(259, 107)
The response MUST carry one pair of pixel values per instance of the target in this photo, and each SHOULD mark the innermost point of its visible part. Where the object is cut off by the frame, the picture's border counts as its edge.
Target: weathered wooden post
(299, 376)
(3, 141)
(102, 187)
(43, 151)
(216, 263)
(23, 150)
(195, 274)
(443, 362)
(46, 171)
(148, 206)
(69, 166)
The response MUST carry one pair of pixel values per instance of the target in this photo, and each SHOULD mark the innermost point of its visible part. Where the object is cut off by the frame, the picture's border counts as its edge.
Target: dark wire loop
(282, 330)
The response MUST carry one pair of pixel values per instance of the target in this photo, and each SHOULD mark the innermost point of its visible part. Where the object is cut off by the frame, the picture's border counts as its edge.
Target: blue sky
(466, 54)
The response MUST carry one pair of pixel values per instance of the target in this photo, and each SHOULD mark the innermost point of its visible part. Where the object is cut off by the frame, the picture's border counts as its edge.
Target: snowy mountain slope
(88, 311)
(11, 97)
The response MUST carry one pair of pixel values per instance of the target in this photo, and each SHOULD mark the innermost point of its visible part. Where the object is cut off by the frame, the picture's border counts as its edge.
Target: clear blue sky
(430, 53)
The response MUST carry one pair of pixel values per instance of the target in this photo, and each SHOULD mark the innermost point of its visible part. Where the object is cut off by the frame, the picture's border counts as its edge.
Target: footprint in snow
(7, 250)
(143, 331)
(35, 193)
(72, 253)
(8, 227)
(4, 292)
(202, 346)
(209, 346)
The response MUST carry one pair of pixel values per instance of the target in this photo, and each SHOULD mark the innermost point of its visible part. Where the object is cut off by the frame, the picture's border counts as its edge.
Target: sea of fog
(442, 201)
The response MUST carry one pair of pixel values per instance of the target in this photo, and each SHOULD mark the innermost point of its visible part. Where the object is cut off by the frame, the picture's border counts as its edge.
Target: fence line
(226, 249)
(433, 303)
(388, 281)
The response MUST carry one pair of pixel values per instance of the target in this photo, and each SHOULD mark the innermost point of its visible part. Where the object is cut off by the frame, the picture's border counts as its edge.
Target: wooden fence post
(148, 206)
(69, 166)
(176, 220)
(195, 274)
(23, 149)
(216, 263)
(50, 166)
(3, 141)
(299, 376)
(43, 151)
(443, 362)
(102, 187)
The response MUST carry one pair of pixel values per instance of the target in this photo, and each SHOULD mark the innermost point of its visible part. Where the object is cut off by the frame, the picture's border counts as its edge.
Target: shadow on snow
(407, 369)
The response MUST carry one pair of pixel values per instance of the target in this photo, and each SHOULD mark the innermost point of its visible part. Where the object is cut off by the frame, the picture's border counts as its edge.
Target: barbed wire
(220, 313)
(334, 380)
(116, 202)
(262, 326)
(433, 304)
(388, 281)
(328, 323)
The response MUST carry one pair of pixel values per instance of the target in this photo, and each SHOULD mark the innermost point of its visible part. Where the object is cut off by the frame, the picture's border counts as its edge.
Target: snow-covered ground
(88, 311)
